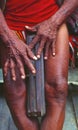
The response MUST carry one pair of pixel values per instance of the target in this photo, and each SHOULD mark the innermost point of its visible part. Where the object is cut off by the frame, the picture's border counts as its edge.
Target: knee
(56, 89)
(61, 88)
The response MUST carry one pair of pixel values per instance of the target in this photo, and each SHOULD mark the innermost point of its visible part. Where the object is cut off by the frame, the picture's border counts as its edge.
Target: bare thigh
(56, 68)
(16, 94)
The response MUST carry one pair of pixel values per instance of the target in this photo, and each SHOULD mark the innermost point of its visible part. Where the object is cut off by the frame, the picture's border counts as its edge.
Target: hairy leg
(56, 83)
(15, 93)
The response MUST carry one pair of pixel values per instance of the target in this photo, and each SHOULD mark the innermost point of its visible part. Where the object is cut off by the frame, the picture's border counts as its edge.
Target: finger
(21, 69)
(32, 29)
(34, 41)
(40, 48)
(12, 69)
(53, 48)
(29, 64)
(46, 50)
(30, 54)
(5, 69)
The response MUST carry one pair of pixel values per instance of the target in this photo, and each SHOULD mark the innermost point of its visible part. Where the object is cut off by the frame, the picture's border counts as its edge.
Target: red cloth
(74, 45)
(19, 13)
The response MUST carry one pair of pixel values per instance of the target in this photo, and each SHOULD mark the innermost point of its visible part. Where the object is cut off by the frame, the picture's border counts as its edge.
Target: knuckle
(21, 66)
(39, 52)
(12, 65)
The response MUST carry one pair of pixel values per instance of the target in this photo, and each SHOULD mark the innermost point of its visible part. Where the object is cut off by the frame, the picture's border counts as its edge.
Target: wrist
(64, 12)
(4, 33)
(54, 21)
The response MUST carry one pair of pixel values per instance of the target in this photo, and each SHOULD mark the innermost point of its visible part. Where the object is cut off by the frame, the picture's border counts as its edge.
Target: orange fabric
(19, 13)
(21, 35)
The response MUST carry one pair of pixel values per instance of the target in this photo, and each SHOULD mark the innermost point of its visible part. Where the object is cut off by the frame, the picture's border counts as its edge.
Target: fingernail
(54, 54)
(35, 58)
(23, 76)
(14, 78)
(45, 58)
(27, 27)
(38, 56)
(33, 71)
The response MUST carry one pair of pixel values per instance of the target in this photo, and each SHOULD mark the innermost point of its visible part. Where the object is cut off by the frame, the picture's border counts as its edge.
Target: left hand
(45, 36)
(17, 54)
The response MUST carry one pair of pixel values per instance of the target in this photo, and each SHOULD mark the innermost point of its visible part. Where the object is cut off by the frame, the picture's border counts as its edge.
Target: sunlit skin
(15, 54)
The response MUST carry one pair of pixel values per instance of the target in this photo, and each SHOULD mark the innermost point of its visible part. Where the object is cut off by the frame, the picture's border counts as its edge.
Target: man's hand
(46, 33)
(17, 54)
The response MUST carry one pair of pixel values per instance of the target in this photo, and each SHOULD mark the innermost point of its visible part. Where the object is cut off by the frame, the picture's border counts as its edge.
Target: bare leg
(56, 83)
(15, 93)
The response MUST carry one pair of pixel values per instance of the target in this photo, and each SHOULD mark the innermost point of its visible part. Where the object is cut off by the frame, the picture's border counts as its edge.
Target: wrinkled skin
(19, 52)
(46, 36)
(46, 31)
(56, 71)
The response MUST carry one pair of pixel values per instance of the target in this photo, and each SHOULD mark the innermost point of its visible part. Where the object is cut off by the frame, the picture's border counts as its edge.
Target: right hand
(46, 35)
(17, 54)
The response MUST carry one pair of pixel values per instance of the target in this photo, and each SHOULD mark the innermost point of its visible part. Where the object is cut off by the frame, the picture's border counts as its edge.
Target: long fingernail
(53, 53)
(45, 58)
(35, 58)
(23, 76)
(38, 56)
(14, 78)
(27, 27)
(33, 71)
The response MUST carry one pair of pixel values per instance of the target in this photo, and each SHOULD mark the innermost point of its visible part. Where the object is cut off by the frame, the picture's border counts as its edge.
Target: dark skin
(16, 50)
(55, 89)
(56, 69)
(46, 31)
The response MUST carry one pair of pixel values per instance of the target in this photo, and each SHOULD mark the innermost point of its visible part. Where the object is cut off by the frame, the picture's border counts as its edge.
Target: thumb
(32, 29)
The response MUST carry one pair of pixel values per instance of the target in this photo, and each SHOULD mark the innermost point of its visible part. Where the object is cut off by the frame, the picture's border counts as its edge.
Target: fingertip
(38, 56)
(14, 79)
(23, 76)
(30, 28)
(35, 58)
(27, 27)
(33, 71)
(45, 58)
(53, 54)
